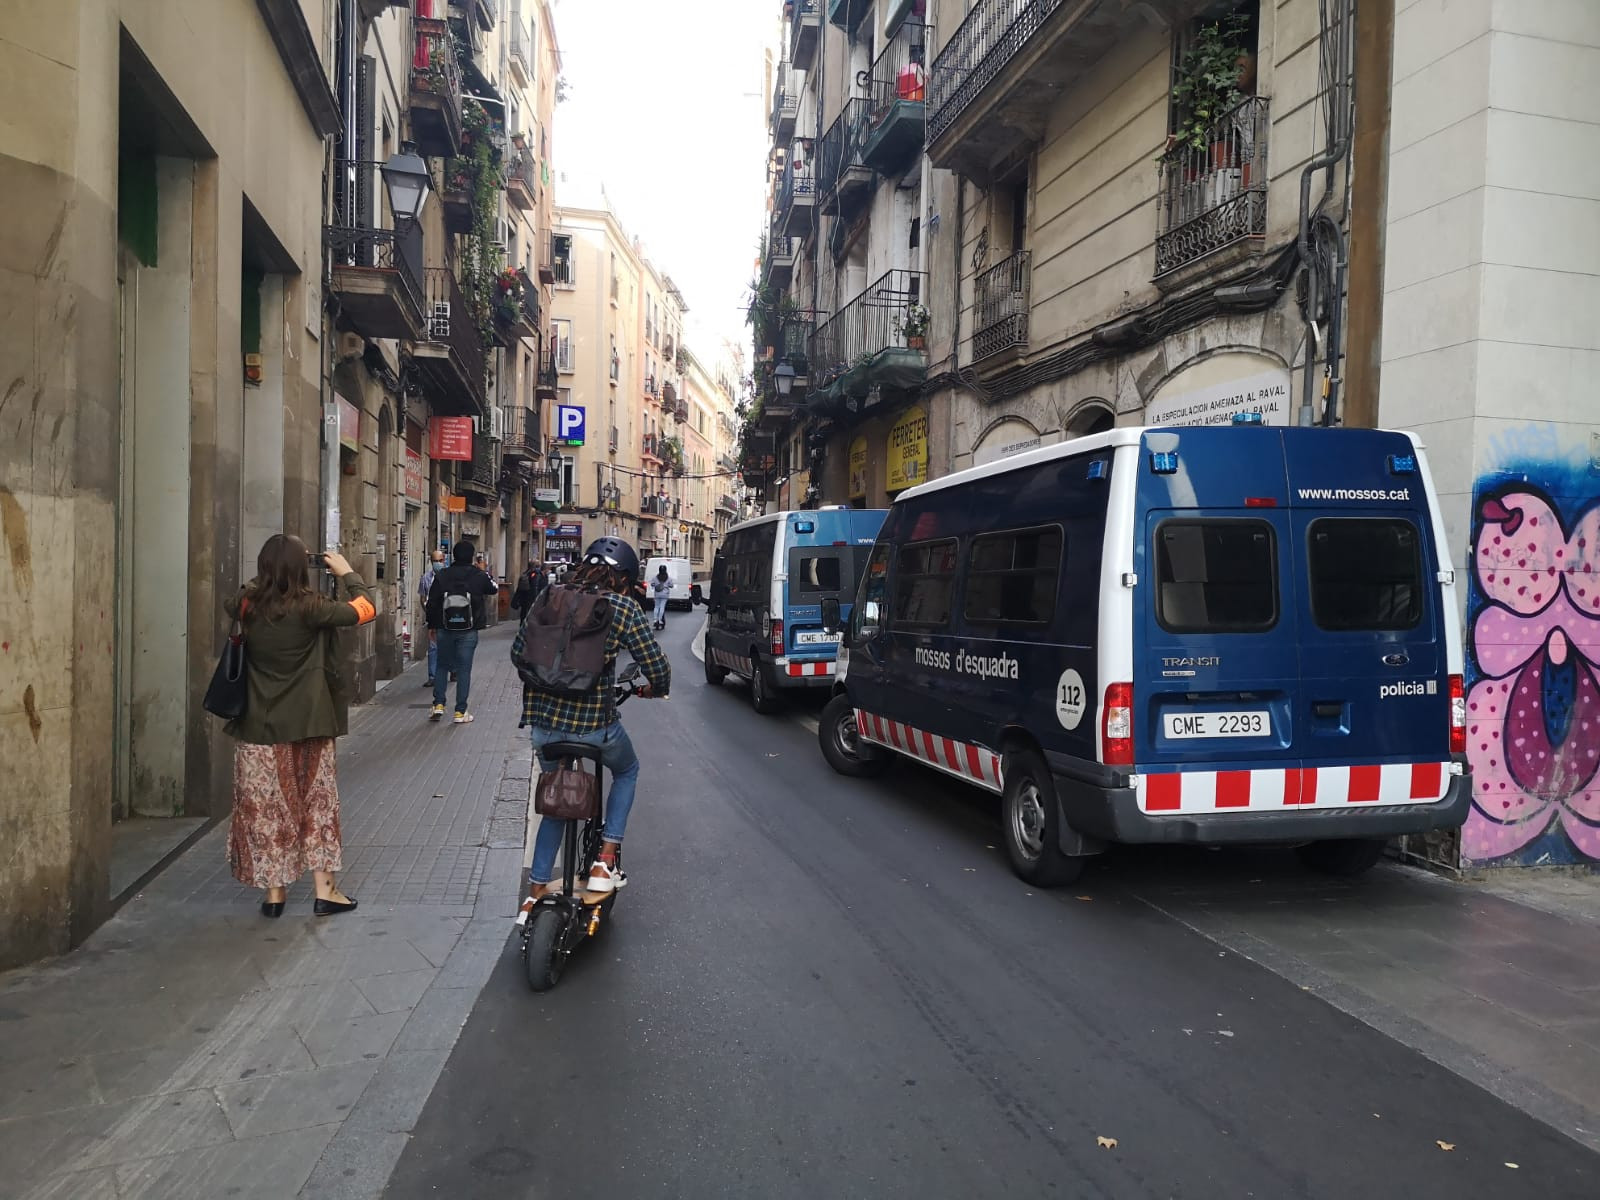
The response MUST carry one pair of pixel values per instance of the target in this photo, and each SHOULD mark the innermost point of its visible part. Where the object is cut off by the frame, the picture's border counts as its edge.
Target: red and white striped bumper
(807, 669)
(1292, 788)
(974, 764)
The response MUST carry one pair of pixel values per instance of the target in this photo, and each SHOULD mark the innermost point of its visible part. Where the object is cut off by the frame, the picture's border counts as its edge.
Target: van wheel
(1032, 820)
(762, 696)
(842, 745)
(714, 674)
(1347, 857)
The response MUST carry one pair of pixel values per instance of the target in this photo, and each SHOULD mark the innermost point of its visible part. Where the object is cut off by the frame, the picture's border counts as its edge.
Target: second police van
(769, 582)
(1209, 635)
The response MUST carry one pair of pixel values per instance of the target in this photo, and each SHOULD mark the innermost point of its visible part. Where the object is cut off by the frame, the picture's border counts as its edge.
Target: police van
(769, 581)
(1209, 635)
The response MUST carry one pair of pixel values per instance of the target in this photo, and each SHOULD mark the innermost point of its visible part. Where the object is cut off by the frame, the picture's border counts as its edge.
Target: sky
(665, 111)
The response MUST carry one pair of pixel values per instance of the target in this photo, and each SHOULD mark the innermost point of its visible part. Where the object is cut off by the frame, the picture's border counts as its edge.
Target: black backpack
(564, 641)
(457, 606)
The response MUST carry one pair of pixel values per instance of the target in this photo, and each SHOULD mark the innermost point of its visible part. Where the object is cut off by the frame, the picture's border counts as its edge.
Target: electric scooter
(567, 916)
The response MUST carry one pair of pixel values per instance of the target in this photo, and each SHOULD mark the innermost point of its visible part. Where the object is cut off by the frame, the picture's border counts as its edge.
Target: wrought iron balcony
(377, 272)
(549, 380)
(522, 438)
(898, 90)
(805, 31)
(1215, 195)
(728, 503)
(844, 179)
(451, 355)
(652, 447)
(521, 59)
(516, 307)
(856, 338)
(797, 196)
(435, 90)
(522, 180)
(785, 102)
(1001, 302)
(481, 474)
(781, 255)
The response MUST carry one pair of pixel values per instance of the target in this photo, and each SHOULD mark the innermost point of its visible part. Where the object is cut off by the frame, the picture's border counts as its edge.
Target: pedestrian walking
(285, 787)
(434, 567)
(456, 612)
(529, 588)
(661, 592)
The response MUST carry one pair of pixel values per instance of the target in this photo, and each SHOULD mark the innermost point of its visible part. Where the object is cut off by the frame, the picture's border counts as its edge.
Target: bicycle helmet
(614, 553)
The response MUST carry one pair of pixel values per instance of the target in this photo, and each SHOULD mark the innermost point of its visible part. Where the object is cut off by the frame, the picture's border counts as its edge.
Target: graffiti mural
(1533, 700)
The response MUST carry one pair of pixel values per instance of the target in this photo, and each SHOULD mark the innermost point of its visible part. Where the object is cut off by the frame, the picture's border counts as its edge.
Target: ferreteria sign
(908, 449)
(1266, 393)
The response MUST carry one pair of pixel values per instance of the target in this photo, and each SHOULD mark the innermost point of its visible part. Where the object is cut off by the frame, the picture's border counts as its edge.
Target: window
(1013, 577)
(867, 617)
(561, 252)
(815, 573)
(1366, 574)
(1216, 576)
(569, 480)
(925, 576)
(561, 340)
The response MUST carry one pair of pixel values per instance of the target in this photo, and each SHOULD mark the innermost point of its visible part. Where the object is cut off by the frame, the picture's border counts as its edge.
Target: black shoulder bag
(228, 695)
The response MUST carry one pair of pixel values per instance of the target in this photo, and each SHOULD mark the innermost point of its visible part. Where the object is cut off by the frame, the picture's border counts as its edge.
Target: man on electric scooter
(609, 565)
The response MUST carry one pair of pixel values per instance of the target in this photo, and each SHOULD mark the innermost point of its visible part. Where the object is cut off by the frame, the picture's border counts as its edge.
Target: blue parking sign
(569, 424)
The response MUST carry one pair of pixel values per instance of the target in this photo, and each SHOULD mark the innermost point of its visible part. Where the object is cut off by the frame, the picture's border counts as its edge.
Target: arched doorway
(1007, 436)
(1092, 416)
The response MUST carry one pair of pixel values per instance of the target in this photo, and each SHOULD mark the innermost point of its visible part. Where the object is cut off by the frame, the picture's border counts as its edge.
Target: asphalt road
(820, 987)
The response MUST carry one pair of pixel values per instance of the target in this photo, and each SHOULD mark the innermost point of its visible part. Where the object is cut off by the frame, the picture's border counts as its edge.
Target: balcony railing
(728, 503)
(797, 193)
(785, 103)
(377, 272)
(897, 92)
(450, 323)
(842, 171)
(866, 326)
(977, 52)
(1001, 300)
(435, 90)
(1214, 196)
(521, 60)
(522, 433)
(805, 27)
(652, 446)
(522, 179)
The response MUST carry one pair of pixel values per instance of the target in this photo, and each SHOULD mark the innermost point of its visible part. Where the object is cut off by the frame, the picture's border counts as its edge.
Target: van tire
(763, 698)
(714, 674)
(842, 746)
(1032, 819)
(1346, 857)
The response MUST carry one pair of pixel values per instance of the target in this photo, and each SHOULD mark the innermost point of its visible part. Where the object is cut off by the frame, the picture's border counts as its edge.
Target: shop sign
(415, 477)
(450, 438)
(541, 523)
(349, 425)
(908, 449)
(455, 504)
(548, 499)
(570, 424)
(1266, 393)
(858, 469)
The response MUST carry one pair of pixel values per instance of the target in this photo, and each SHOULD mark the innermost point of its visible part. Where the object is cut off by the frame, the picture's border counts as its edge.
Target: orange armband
(365, 612)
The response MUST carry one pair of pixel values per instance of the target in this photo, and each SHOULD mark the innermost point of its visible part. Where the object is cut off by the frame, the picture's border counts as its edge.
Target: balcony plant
(1207, 83)
(913, 326)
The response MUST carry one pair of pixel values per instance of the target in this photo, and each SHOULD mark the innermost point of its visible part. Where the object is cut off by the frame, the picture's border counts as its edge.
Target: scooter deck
(585, 897)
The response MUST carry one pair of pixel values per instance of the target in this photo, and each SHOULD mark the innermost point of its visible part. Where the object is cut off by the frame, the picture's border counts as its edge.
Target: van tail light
(1116, 725)
(1458, 716)
(777, 639)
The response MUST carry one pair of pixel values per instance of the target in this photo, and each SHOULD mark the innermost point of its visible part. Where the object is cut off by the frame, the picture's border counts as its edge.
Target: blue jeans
(433, 654)
(456, 648)
(661, 609)
(616, 753)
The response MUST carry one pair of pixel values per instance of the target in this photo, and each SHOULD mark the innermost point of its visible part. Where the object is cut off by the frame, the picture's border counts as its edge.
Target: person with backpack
(566, 654)
(529, 588)
(456, 612)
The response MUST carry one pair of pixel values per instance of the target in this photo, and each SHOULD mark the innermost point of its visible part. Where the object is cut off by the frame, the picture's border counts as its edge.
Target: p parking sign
(569, 424)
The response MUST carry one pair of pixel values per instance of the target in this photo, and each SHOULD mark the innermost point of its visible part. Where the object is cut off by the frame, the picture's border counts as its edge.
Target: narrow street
(818, 986)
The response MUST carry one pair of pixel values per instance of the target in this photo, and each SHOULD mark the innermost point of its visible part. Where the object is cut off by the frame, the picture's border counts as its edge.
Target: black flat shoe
(272, 908)
(332, 908)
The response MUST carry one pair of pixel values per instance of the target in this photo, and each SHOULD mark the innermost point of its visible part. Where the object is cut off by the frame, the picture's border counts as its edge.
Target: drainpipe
(1374, 66)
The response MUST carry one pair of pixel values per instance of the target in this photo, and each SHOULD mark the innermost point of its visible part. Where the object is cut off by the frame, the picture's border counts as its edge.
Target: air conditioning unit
(351, 346)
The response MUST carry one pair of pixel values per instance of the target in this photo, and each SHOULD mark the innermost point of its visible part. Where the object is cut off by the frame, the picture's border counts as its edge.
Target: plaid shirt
(582, 714)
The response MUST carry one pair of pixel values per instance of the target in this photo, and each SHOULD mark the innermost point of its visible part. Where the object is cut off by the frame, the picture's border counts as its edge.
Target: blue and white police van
(1208, 635)
(769, 581)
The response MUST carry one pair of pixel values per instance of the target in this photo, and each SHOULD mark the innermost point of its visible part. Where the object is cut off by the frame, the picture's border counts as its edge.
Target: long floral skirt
(285, 813)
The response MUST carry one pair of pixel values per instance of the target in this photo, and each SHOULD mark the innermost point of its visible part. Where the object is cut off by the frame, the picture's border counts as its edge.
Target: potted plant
(913, 325)
(1207, 86)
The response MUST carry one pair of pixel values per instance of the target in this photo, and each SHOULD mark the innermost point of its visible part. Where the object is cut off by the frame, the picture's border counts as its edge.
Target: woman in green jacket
(285, 792)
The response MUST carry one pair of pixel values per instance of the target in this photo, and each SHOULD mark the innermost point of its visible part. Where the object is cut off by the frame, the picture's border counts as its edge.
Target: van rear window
(1216, 576)
(1012, 577)
(818, 573)
(1366, 573)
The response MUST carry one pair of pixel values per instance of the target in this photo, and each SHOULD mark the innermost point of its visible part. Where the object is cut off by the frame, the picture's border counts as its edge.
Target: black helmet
(614, 553)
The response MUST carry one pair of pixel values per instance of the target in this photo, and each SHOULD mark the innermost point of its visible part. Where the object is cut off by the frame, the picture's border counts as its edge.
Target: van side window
(1013, 577)
(867, 618)
(1366, 573)
(1216, 576)
(924, 578)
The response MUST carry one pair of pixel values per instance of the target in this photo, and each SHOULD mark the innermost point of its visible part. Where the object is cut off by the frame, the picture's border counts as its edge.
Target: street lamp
(405, 176)
(555, 462)
(784, 376)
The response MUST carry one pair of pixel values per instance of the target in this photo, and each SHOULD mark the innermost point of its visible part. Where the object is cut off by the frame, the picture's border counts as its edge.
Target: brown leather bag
(569, 793)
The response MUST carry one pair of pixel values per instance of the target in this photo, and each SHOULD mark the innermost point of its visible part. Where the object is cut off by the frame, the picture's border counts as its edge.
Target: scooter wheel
(542, 957)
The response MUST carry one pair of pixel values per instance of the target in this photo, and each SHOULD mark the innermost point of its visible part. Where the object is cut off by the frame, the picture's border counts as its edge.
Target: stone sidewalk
(192, 1048)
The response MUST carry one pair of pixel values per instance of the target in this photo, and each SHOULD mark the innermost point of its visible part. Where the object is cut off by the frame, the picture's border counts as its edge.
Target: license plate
(816, 638)
(1248, 723)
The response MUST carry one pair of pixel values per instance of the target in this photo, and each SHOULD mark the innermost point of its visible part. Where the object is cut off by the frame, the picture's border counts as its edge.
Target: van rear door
(1372, 654)
(817, 573)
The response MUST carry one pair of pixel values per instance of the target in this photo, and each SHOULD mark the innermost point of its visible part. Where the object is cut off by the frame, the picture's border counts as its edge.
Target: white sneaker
(436, 712)
(604, 878)
(463, 719)
(525, 912)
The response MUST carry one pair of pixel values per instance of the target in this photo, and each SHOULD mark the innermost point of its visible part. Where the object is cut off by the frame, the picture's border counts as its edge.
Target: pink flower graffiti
(1533, 719)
